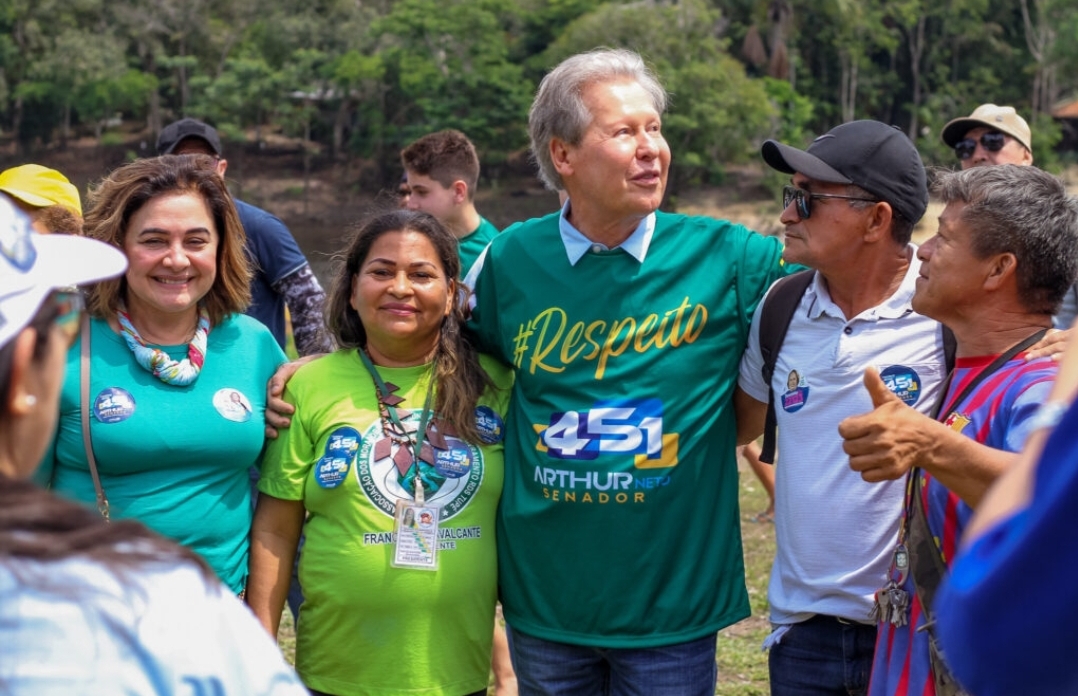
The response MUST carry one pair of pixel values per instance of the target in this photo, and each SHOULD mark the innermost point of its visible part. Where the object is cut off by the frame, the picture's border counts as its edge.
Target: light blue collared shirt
(576, 244)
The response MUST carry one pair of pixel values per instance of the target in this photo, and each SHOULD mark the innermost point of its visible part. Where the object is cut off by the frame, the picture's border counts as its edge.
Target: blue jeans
(546, 668)
(822, 656)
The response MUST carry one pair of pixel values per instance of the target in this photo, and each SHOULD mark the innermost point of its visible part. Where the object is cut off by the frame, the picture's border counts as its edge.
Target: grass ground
(742, 666)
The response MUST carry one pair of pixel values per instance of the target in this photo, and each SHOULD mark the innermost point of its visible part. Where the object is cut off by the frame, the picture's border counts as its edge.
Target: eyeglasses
(992, 141)
(804, 199)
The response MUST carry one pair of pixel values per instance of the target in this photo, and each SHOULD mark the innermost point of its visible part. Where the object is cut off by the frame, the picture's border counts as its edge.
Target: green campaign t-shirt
(366, 627)
(619, 520)
(174, 458)
(472, 246)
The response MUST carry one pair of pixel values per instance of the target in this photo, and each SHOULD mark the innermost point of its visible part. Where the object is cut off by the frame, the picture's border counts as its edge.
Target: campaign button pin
(113, 405)
(233, 405)
(330, 472)
(490, 425)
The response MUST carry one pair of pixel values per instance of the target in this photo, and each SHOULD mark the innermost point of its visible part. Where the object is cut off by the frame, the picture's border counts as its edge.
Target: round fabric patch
(113, 405)
(903, 382)
(233, 405)
(490, 425)
(341, 447)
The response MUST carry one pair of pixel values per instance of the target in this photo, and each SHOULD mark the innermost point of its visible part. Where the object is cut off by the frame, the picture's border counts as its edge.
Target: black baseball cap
(873, 155)
(175, 133)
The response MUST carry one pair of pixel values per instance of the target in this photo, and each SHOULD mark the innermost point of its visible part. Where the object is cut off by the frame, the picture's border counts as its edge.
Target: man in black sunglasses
(990, 135)
(853, 199)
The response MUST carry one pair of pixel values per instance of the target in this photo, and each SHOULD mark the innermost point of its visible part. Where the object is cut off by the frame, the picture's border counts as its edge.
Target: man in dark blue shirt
(282, 274)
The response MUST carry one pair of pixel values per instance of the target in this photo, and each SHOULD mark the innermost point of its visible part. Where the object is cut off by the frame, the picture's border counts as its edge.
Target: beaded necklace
(176, 372)
(415, 457)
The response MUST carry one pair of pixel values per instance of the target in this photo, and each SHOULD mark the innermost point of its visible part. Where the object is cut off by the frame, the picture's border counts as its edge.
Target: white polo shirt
(835, 533)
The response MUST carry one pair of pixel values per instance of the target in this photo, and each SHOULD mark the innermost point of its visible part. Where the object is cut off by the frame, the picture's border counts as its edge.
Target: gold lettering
(556, 339)
(692, 329)
(604, 498)
(599, 326)
(546, 492)
(638, 497)
(571, 339)
(675, 339)
(622, 497)
(541, 351)
(570, 496)
(642, 339)
(586, 498)
(608, 347)
(555, 496)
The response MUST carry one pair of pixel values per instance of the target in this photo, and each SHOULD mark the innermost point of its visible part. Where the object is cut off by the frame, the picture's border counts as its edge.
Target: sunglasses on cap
(803, 198)
(992, 141)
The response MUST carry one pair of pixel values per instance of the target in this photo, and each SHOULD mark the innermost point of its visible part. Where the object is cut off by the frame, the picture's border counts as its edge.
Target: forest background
(349, 82)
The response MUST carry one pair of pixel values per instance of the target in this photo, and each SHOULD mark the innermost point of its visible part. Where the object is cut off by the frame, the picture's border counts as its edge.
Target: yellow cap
(40, 187)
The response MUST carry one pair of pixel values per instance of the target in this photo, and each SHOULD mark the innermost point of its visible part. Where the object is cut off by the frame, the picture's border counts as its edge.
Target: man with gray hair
(619, 544)
(994, 274)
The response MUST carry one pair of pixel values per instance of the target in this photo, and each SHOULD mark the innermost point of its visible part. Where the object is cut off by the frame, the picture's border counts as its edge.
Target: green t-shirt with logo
(366, 627)
(619, 520)
(472, 246)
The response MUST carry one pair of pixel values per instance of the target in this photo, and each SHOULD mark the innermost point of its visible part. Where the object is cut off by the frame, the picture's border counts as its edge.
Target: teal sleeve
(761, 265)
(483, 323)
(288, 459)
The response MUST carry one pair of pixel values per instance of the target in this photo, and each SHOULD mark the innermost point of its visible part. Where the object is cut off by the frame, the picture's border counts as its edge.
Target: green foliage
(442, 82)
(368, 77)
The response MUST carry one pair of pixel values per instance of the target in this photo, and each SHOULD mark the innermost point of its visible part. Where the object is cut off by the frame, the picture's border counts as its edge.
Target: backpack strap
(950, 347)
(779, 307)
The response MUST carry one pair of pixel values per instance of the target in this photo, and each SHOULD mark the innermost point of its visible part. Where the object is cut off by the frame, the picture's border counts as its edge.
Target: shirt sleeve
(272, 245)
(1022, 410)
(289, 458)
(483, 323)
(306, 300)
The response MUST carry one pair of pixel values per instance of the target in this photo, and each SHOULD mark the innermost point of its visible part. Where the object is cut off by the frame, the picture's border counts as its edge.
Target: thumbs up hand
(885, 443)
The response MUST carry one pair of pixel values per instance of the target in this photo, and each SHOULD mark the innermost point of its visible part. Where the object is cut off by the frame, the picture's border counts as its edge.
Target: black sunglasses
(804, 199)
(992, 141)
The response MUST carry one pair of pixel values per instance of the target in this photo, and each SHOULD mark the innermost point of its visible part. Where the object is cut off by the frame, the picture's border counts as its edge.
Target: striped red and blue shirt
(996, 413)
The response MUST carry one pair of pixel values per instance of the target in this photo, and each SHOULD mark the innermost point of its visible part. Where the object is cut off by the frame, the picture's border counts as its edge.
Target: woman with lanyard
(161, 415)
(395, 453)
(90, 607)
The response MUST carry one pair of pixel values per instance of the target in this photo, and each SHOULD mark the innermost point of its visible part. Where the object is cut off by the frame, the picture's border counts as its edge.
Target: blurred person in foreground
(993, 274)
(90, 607)
(396, 455)
(52, 202)
(176, 382)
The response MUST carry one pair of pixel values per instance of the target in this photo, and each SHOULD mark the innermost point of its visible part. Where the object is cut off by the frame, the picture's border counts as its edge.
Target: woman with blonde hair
(167, 419)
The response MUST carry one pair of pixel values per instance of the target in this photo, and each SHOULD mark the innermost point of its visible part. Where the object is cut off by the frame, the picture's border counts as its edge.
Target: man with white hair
(618, 538)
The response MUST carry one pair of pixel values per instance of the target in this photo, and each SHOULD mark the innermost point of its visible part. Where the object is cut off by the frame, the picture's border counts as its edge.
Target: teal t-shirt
(472, 246)
(619, 520)
(366, 627)
(174, 458)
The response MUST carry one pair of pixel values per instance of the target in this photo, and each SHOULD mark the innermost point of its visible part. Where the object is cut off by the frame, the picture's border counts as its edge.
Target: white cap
(33, 265)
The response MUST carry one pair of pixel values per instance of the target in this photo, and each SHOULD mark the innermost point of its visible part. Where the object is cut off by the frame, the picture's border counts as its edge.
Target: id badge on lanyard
(415, 522)
(416, 539)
